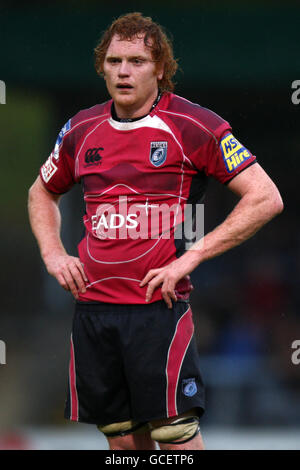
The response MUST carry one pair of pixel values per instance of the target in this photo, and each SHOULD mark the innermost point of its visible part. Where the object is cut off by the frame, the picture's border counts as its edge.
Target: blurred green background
(238, 59)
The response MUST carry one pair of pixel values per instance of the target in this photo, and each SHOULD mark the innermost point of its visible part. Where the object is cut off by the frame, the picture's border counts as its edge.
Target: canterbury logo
(92, 156)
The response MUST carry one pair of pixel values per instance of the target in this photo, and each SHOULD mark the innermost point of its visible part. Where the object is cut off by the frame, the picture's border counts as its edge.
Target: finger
(173, 295)
(168, 294)
(167, 299)
(62, 282)
(80, 265)
(151, 287)
(70, 282)
(78, 277)
(75, 269)
(149, 276)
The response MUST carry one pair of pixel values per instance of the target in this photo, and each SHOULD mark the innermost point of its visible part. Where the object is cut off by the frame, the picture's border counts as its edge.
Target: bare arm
(45, 220)
(259, 202)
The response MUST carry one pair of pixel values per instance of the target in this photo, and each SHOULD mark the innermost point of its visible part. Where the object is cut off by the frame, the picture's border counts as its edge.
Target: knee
(120, 429)
(128, 435)
(178, 430)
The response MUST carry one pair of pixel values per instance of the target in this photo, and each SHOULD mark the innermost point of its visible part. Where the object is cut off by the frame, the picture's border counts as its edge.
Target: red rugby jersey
(138, 179)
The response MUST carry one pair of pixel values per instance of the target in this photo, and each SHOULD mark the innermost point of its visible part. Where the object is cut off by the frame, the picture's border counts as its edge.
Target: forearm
(45, 220)
(259, 202)
(248, 216)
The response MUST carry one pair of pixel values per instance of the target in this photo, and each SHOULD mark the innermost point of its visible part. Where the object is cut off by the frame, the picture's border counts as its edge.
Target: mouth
(124, 86)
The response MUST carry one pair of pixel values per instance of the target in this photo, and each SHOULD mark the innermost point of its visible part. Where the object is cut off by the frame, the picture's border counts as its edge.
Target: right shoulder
(87, 117)
(77, 126)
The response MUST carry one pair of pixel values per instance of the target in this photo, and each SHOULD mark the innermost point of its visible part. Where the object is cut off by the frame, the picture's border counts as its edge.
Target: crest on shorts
(189, 387)
(158, 153)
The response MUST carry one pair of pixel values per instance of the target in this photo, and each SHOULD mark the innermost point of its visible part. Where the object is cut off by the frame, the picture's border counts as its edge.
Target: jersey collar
(126, 120)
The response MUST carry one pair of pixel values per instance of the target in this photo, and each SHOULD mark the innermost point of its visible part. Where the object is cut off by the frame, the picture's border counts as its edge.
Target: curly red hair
(132, 25)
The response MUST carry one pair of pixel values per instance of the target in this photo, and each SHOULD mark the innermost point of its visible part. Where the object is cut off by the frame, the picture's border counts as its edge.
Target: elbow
(276, 204)
(32, 194)
(36, 190)
(280, 207)
(33, 188)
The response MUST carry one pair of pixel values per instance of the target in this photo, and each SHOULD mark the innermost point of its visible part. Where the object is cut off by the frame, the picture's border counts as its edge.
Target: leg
(180, 432)
(141, 441)
(128, 435)
(194, 444)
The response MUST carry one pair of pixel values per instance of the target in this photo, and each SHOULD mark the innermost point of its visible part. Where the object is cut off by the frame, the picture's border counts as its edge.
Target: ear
(102, 73)
(160, 69)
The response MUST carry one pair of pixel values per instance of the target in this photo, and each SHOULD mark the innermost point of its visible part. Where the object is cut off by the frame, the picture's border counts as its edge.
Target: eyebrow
(140, 57)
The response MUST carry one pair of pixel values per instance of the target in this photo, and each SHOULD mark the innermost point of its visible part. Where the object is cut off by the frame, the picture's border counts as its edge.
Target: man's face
(131, 76)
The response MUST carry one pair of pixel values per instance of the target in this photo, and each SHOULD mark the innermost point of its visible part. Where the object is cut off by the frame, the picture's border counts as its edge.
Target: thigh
(162, 363)
(98, 391)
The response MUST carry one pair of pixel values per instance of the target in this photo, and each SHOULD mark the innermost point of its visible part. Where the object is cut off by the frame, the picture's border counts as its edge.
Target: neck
(120, 114)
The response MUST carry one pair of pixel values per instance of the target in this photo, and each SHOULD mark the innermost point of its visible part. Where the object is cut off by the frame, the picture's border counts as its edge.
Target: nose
(124, 69)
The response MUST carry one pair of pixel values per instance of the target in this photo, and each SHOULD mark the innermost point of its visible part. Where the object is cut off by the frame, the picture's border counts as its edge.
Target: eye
(113, 60)
(138, 61)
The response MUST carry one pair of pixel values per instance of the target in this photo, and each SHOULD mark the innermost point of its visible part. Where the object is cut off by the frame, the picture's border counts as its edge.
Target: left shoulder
(182, 108)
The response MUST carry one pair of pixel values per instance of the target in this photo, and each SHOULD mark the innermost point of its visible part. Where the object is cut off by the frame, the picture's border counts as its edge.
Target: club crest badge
(189, 387)
(158, 153)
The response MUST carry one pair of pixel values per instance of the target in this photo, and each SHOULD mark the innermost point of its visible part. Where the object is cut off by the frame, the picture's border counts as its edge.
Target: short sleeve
(231, 158)
(221, 155)
(58, 172)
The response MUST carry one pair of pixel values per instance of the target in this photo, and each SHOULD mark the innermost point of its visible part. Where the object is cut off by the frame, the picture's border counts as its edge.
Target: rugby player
(134, 369)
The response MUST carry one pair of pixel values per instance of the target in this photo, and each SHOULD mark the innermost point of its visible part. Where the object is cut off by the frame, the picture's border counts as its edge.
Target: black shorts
(133, 362)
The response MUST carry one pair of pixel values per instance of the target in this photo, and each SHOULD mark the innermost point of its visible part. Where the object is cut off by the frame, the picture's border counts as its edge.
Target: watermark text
(296, 354)
(2, 92)
(296, 94)
(2, 352)
(147, 219)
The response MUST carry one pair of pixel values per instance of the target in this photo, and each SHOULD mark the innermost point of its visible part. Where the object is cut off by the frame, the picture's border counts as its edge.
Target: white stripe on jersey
(134, 191)
(119, 262)
(114, 277)
(208, 131)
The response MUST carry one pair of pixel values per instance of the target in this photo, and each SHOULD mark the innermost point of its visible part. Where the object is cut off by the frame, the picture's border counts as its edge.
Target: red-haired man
(134, 369)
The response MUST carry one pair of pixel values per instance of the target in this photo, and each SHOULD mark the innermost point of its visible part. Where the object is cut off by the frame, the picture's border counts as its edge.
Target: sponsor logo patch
(59, 139)
(48, 169)
(189, 387)
(234, 153)
(92, 156)
(158, 153)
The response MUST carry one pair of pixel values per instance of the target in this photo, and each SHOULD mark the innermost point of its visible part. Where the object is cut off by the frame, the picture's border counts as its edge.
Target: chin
(124, 100)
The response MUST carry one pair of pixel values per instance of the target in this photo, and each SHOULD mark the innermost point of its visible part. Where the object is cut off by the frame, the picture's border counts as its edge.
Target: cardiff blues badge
(189, 387)
(158, 153)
